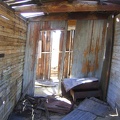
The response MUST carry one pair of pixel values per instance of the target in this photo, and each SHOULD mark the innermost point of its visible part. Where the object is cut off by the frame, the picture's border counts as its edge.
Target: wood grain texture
(113, 96)
(13, 31)
(66, 7)
(88, 50)
(29, 75)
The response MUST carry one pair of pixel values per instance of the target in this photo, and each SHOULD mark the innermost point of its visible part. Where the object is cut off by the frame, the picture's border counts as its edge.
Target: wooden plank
(95, 107)
(11, 15)
(12, 31)
(48, 54)
(66, 7)
(71, 54)
(44, 55)
(113, 96)
(71, 16)
(108, 57)
(89, 48)
(67, 55)
(10, 24)
(12, 45)
(84, 94)
(11, 12)
(63, 59)
(30, 55)
(79, 115)
(12, 36)
(60, 54)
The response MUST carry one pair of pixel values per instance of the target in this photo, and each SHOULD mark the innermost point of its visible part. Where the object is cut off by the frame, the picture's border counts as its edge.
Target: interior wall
(12, 46)
(30, 58)
(89, 48)
(33, 37)
(113, 96)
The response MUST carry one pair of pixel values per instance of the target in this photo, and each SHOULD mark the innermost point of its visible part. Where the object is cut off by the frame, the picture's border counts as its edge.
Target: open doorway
(48, 55)
(53, 54)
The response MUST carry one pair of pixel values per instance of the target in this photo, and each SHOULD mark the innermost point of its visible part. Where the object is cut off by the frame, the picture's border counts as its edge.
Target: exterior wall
(12, 45)
(89, 48)
(113, 96)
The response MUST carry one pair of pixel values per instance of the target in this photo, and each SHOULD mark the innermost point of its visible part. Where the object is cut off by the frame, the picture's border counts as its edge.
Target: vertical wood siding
(30, 58)
(12, 45)
(44, 63)
(89, 46)
(113, 96)
(68, 54)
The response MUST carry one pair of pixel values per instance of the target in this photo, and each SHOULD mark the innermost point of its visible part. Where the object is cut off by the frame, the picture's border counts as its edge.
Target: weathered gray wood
(113, 95)
(94, 107)
(79, 115)
(30, 58)
(108, 57)
(88, 51)
(63, 59)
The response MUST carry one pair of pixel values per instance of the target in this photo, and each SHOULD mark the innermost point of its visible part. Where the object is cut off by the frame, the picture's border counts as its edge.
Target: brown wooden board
(66, 7)
(13, 34)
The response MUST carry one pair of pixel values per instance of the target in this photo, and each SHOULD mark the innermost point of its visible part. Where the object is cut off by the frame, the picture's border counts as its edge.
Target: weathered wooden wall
(113, 96)
(89, 47)
(30, 58)
(12, 45)
(68, 54)
(44, 63)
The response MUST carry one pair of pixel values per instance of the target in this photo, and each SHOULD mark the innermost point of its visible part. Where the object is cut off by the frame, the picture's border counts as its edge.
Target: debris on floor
(58, 106)
(90, 109)
(81, 88)
(95, 107)
(72, 82)
(40, 108)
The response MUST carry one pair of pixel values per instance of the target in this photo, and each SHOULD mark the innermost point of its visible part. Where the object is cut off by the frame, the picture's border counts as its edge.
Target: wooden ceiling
(60, 6)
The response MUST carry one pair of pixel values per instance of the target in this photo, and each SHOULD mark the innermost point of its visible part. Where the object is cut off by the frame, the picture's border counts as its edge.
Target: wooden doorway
(50, 53)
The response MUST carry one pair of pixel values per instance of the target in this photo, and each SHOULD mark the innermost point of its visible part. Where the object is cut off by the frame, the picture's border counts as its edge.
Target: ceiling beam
(71, 16)
(66, 7)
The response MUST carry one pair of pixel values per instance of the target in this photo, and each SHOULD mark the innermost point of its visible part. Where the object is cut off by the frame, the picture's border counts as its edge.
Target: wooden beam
(50, 17)
(66, 7)
(88, 16)
(105, 76)
(71, 16)
(24, 3)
